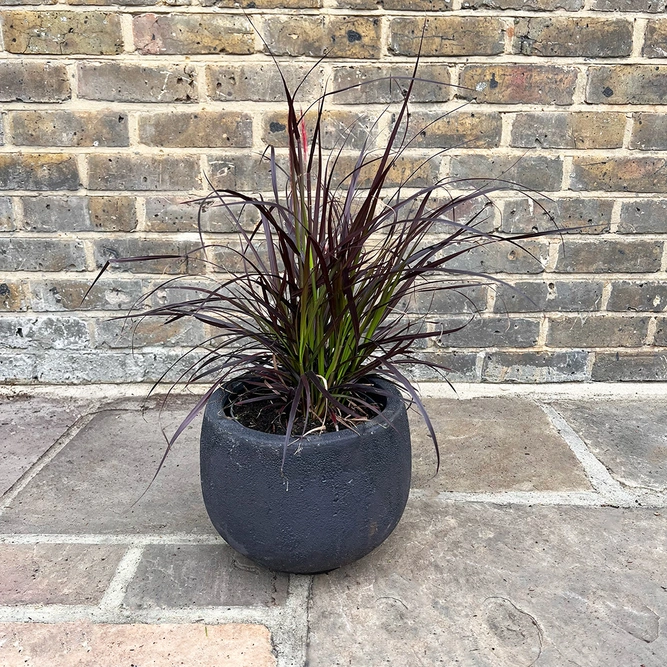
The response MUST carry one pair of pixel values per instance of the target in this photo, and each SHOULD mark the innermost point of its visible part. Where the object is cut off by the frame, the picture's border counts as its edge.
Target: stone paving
(543, 541)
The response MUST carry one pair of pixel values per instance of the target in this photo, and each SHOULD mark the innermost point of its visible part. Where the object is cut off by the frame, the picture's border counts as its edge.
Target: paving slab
(202, 576)
(481, 585)
(84, 644)
(28, 427)
(629, 437)
(56, 573)
(95, 484)
(492, 444)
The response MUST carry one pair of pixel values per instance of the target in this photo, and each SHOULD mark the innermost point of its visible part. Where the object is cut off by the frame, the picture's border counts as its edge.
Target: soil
(270, 417)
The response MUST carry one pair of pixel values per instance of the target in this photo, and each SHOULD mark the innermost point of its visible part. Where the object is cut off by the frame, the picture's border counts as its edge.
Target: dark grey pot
(341, 494)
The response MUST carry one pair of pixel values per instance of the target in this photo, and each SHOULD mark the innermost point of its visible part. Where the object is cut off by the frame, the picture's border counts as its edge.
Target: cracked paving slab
(629, 437)
(481, 585)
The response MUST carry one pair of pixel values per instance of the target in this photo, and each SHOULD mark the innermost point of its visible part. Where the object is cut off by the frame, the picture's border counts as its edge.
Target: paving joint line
(112, 600)
(594, 469)
(47, 457)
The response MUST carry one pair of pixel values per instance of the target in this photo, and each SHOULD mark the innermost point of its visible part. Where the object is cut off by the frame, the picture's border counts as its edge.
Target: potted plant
(305, 445)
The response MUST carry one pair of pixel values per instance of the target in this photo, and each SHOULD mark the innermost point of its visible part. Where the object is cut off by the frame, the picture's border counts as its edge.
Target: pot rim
(395, 404)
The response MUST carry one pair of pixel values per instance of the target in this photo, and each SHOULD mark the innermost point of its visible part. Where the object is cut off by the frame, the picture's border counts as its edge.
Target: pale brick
(572, 37)
(338, 128)
(552, 296)
(33, 171)
(418, 5)
(609, 256)
(56, 214)
(17, 368)
(619, 174)
(119, 248)
(241, 172)
(447, 36)
(458, 366)
(13, 295)
(649, 132)
(630, 367)
(597, 332)
(458, 129)
(126, 3)
(581, 130)
(467, 299)
(585, 216)
(643, 216)
(128, 82)
(655, 39)
(264, 4)
(62, 33)
(527, 5)
(409, 170)
(353, 37)
(172, 214)
(118, 294)
(358, 4)
(24, 254)
(373, 84)
(627, 84)
(56, 573)
(526, 257)
(261, 82)
(199, 129)
(149, 332)
(518, 84)
(536, 366)
(143, 172)
(83, 642)
(48, 213)
(7, 219)
(82, 366)
(30, 81)
(539, 173)
(58, 333)
(192, 33)
(488, 332)
(69, 128)
(651, 6)
(638, 296)
(112, 214)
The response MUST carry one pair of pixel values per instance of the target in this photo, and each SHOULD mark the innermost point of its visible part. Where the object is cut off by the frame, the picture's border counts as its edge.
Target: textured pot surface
(340, 495)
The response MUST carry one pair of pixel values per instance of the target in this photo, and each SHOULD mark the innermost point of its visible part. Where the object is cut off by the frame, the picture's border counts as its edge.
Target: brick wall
(114, 112)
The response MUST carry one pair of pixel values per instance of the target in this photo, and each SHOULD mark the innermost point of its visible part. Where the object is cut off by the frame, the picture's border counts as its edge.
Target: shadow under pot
(340, 494)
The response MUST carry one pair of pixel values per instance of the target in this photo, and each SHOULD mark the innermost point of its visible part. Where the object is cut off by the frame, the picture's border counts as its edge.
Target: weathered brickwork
(114, 114)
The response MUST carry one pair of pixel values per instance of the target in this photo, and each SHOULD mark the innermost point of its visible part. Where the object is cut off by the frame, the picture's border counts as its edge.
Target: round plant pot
(339, 496)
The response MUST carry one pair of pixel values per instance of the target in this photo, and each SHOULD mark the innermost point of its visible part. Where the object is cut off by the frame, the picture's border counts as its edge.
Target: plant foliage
(314, 305)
